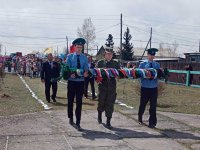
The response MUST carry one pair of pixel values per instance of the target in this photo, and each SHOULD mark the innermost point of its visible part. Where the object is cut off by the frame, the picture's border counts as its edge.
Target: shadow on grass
(89, 104)
(59, 97)
(165, 105)
(59, 104)
(179, 135)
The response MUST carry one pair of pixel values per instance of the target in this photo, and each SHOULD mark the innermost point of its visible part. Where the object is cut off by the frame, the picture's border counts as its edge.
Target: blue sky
(28, 25)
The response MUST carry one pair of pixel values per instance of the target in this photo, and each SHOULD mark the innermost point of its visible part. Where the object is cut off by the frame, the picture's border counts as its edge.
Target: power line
(34, 45)
(28, 37)
(39, 37)
(108, 28)
(181, 38)
(55, 14)
(161, 21)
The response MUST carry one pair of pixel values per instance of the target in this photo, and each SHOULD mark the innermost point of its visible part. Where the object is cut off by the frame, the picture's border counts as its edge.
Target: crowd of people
(29, 66)
(50, 67)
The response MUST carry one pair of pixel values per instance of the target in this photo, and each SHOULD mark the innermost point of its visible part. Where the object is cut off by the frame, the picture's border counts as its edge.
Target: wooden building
(192, 57)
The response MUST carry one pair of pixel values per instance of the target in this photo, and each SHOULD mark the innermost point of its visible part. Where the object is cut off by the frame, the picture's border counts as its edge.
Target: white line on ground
(63, 82)
(67, 142)
(46, 107)
(117, 101)
(122, 104)
(7, 142)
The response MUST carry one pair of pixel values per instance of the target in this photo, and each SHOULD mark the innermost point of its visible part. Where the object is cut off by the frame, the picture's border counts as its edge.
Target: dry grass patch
(15, 97)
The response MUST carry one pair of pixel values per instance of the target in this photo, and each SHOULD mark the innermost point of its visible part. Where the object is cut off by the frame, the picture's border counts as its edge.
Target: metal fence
(186, 77)
(179, 75)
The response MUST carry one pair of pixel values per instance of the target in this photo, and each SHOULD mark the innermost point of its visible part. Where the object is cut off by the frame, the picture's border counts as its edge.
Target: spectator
(90, 80)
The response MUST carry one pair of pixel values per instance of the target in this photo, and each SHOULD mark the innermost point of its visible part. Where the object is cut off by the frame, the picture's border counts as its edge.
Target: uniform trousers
(107, 96)
(48, 85)
(86, 83)
(75, 89)
(148, 94)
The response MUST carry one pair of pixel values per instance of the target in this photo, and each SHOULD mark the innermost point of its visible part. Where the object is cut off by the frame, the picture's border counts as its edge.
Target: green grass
(19, 99)
(38, 87)
(173, 99)
(180, 99)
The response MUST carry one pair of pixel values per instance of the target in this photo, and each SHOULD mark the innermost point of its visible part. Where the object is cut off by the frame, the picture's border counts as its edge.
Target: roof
(115, 49)
(138, 51)
(196, 53)
(167, 59)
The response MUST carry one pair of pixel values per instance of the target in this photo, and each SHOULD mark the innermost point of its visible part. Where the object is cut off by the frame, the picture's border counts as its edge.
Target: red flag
(72, 49)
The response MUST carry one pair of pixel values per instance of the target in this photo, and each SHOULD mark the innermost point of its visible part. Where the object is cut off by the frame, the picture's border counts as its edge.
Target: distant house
(161, 53)
(161, 56)
(192, 57)
(167, 59)
(100, 53)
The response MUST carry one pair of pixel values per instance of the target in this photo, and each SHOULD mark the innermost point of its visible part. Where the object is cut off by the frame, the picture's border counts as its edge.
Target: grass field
(38, 87)
(174, 98)
(17, 99)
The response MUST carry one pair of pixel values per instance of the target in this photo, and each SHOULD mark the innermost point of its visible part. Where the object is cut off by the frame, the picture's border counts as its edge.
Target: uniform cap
(79, 41)
(152, 51)
(108, 49)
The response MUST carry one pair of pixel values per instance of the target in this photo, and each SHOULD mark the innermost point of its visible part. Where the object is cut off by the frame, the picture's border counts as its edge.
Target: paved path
(50, 130)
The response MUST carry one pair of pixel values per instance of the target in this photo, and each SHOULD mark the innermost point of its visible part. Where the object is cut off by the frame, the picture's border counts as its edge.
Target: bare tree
(87, 32)
(168, 49)
(174, 48)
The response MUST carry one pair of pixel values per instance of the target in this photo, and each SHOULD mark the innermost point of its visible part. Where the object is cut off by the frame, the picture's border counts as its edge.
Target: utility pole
(67, 51)
(199, 46)
(150, 37)
(5, 50)
(121, 36)
(149, 42)
(57, 50)
(97, 49)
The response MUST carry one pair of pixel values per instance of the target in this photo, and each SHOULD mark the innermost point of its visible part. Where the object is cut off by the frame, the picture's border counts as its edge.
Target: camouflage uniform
(107, 90)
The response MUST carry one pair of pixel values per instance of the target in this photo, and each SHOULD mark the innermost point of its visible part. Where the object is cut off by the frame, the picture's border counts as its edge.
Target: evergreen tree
(109, 40)
(127, 53)
(110, 43)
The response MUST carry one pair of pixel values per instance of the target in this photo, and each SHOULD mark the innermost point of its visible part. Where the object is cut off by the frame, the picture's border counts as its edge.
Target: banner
(48, 50)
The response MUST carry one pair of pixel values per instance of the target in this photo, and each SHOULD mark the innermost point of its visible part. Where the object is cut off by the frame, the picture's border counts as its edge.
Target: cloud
(171, 20)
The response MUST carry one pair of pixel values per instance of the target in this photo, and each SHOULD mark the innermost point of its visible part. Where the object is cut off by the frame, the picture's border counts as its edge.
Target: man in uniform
(50, 69)
(107, 88)
(149, 90)
(76, 85)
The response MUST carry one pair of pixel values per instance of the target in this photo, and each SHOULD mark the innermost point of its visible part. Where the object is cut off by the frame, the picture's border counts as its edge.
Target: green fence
(188, 73)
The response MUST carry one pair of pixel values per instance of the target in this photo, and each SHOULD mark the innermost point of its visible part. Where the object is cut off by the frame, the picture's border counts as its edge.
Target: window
(193, 59)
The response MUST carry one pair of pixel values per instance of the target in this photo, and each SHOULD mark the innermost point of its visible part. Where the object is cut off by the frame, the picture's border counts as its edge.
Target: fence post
(187, 78)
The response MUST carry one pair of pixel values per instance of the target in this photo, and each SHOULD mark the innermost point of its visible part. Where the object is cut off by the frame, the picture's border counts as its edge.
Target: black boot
(78, 127)
(99, 117)
(71, 121)
(140, 119)
(108, 125)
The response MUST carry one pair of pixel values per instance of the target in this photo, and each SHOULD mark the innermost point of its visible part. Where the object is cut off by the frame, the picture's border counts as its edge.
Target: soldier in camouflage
(107, 88)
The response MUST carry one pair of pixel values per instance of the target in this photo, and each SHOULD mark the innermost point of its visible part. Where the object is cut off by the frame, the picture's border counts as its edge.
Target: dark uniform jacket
(49, 71)
(108, 64)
